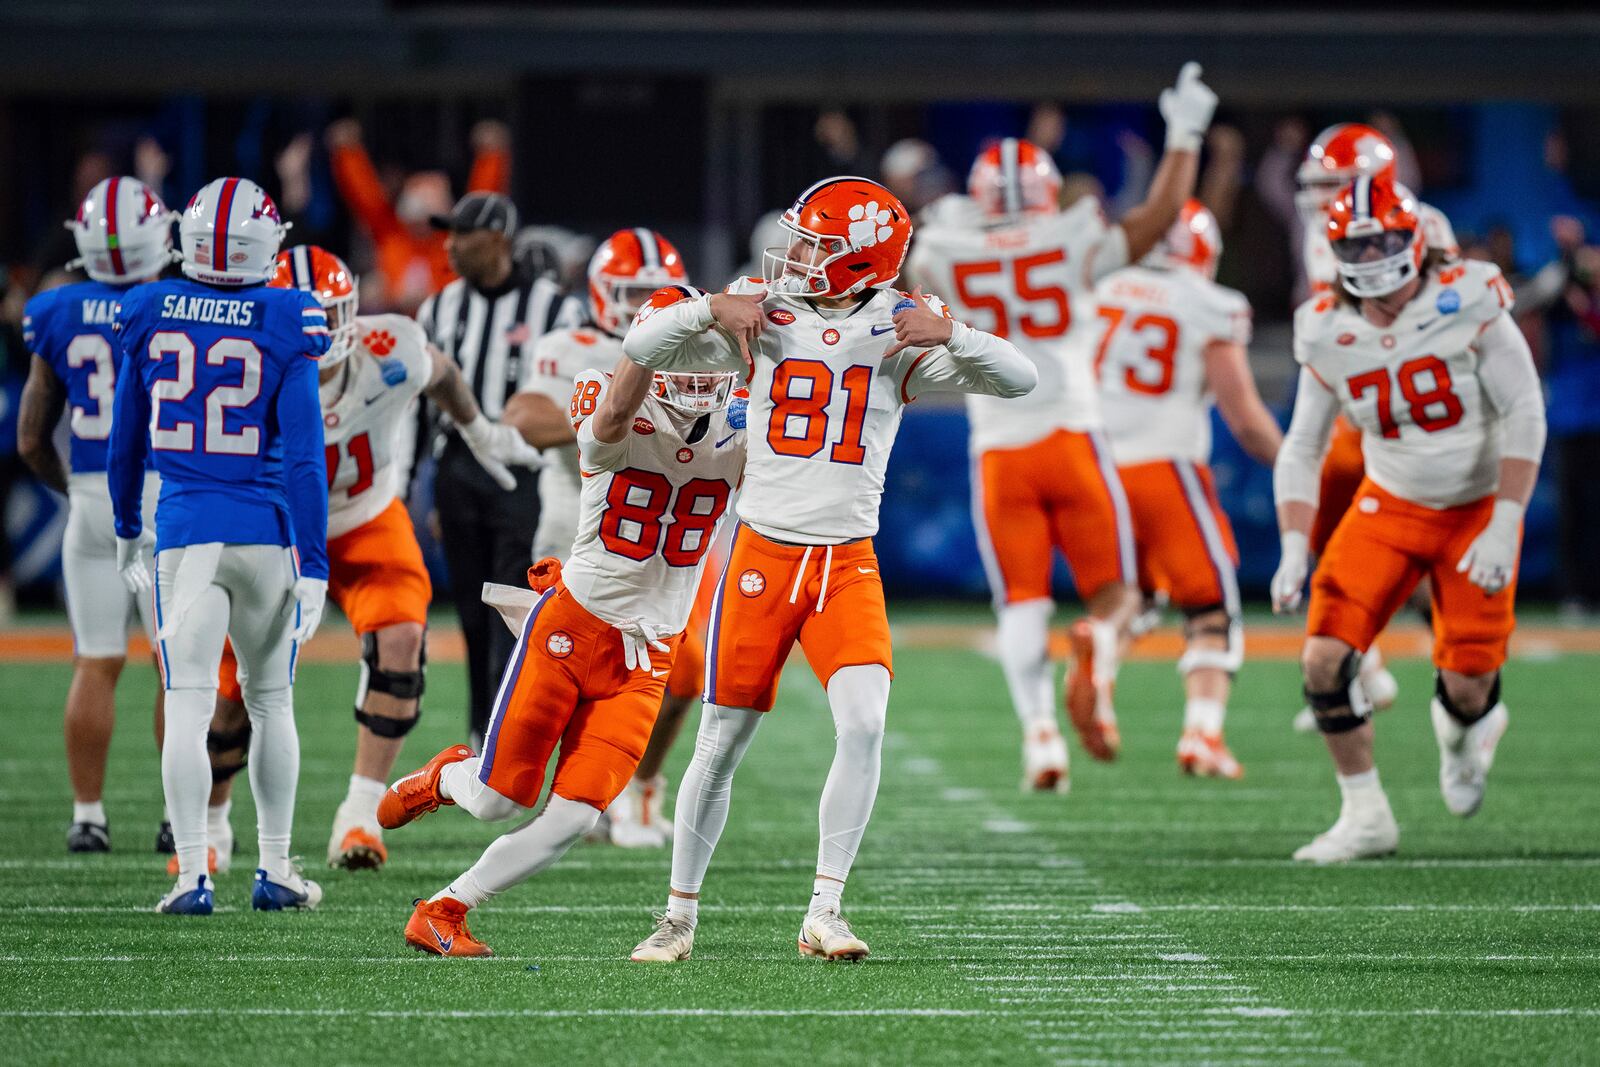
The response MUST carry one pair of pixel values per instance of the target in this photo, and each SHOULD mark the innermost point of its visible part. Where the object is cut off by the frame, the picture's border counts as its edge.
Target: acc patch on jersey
(780, 316)
(642, 425)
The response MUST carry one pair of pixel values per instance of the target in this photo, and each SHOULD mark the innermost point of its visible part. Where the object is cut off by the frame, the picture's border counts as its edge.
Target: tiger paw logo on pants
(752, 583)
(869, 225)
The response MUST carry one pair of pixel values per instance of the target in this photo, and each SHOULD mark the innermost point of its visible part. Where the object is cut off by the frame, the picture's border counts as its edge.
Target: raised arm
(613, 419)
(1187, 108)
(1252, 425)
(358, 180)
(44, 398)
(676, 330)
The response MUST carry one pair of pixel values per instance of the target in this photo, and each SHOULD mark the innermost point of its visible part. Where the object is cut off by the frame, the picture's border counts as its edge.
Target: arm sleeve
(972, 362)
(362, 190)
(130, 440)
(680, 336)
(1507, 375)
(491, 172)
(1297, 474)
(305, 473)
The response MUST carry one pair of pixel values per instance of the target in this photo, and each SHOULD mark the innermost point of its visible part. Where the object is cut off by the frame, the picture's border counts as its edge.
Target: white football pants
(99, 606)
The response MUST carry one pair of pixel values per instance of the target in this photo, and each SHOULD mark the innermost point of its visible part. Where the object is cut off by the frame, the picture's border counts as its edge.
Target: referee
(487, 320)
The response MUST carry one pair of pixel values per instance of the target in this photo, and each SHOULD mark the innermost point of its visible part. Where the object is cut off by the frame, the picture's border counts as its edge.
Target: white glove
(1187, 108)
(1491, 559)
(638, 638)
(309, 594)
(1289, 582)
(495, 446)
(133, 564)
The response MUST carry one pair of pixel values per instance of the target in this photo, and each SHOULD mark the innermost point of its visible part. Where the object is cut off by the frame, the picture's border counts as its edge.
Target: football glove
(1187, 108)
(134, 564)
(309, 595)
(1289, 582)
(1491, 559)
(498, 447)
(638, 638)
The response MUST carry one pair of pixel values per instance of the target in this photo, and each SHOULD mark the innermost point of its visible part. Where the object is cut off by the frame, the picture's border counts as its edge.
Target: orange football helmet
(846, 235)
(318, 271)
(623, 272)
(1194, 241)
(1340, 154)
(1013, 177)
(1376, 235)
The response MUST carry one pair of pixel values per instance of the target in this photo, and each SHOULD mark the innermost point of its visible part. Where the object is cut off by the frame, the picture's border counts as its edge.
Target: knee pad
(1346, 707)
(1454, 711)
(1228, 658)
(229, 750)
(402, 685)
(384, 726)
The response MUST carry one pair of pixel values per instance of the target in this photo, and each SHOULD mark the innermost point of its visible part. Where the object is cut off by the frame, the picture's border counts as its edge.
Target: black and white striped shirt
(491, 334)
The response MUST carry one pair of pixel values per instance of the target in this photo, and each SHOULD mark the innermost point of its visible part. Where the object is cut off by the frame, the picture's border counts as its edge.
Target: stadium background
(698, 121)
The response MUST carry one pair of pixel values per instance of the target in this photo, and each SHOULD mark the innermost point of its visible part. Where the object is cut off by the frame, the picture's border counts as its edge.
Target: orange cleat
(1099, 735)
(1207, 755)
(359, 850)
(440, 927)
(211, 862)
(418, 792)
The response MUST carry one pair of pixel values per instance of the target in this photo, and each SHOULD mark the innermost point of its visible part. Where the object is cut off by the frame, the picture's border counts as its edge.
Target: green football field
(1144, 918)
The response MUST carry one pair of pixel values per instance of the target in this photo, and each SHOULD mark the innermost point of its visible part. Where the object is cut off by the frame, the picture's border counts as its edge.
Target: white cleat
(1305, 722)
(1207, 755)
(1352, 838)
(672, 942)
(826, 935)
(1465, 755)
(631, 823)
(1380, 685)
(356, 843)
(1044, 762)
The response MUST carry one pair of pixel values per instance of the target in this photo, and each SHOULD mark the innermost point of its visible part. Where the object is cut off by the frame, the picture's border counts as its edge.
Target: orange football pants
(375, 575)
(567, 685)
(1384, 546)
(770, 595)
(1343, 469)
(1184, 542)
(1059, 493)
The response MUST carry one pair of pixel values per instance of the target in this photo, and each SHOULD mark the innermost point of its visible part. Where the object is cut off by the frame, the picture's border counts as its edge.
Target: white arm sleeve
(681, 336)
(971, 362)
(1296, 476)
(1510, 381)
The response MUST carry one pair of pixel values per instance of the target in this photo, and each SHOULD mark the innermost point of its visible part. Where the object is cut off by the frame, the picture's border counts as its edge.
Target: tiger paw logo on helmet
(869, 224)
(380, 342)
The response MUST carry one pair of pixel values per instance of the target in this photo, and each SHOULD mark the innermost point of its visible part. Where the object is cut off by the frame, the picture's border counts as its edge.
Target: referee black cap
(479, 211)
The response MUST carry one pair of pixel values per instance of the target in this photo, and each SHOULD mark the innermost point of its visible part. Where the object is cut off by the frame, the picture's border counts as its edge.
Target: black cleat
(165, 846)
(88, 837)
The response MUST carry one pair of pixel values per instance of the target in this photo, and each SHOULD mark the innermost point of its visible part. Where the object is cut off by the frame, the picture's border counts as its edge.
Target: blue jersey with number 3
(226, 380)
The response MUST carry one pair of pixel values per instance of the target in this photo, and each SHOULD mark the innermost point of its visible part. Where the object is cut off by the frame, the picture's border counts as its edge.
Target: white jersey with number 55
(1032, 282)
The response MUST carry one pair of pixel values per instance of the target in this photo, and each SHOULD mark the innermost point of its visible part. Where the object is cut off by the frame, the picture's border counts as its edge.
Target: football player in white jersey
(624, 271)
(1423, 357)
(1341, 154)
(832, 355)
(377, 365)
(1043, 479)
(659, 460)
(1174, 341)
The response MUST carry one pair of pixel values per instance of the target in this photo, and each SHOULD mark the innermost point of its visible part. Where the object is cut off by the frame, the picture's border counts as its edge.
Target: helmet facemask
(1379, 261)
(694, 394)
(616, 300)
(1311, 200)
(801, 267)
(341, 325)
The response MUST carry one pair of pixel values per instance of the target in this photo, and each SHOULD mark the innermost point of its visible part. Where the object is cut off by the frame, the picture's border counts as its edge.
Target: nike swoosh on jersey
(371, 400)
(444, 943)
(728, 438)
(658, 674)
(876, 330)
(1430, 322)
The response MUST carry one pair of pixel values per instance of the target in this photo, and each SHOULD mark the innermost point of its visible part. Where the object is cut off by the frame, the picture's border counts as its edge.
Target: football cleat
(1207, 756)
(672, 941)
(1305, 722)
(1044, 762)
(1380, 685)
(354, 846)
(631, 822)
(291, 893)
(1353, 838)
(181, 901)
(826, 935)
(417, 793)
(1090, 715)
(440, 927)
(88, 837)
(214, 864)
(1465, 755)
(165, 846)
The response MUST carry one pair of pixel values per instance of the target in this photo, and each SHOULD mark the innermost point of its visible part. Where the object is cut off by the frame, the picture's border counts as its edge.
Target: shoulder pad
(1472, 288)
(747, 285)
(35, 315)
(587, 389)
(952, 209)
(1313, 320)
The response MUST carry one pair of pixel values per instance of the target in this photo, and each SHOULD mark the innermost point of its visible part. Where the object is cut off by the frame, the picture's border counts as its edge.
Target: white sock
(707, 789)
(684, 910)
(527, 850)
(362, 799)
(859, 698)
(465, 889)
(459, 783)
(94, 811)
(825, 895)
(217, 828)
(1023, 640)
(1205, 715)
(1106, 658)
(186, 776)
(1361, 793)
(274, 774)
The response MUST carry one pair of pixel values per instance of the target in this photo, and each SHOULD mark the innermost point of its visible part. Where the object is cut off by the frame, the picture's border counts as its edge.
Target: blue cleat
(180, 901)
(291, 893)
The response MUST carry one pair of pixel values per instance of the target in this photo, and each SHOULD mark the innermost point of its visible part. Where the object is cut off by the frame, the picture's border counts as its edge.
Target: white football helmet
(123, 232)
(230, 234)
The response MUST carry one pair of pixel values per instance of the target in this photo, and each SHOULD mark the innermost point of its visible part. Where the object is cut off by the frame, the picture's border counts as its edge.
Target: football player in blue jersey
(124, 236)
(222, 370)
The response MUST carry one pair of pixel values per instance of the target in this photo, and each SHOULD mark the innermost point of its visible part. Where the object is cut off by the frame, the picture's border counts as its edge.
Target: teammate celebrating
(216, 387)
(827, 388)
(1175, 340)
(124, 236)
(659, 459)
(1043, 476)
(376, 365)
(1424, 358)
